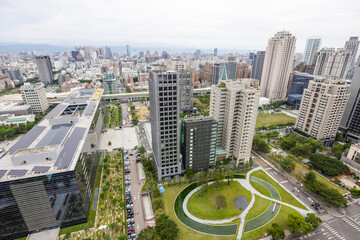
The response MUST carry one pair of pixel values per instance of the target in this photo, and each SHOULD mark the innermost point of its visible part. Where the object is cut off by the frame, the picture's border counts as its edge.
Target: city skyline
(112, 23)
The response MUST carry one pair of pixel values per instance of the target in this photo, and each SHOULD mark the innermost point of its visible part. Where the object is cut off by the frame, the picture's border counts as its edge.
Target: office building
(198, 143)
(234, 105)
(242, 70)
(215, 52)
(186, 91)
(14, 74)
(128, 51)
(350, 122)
(258, 64)
(216, 73)
(197, 54)
(164, 102)
(333, 63)
(299, 82)
(35, 96)
(352, 45)
(110, 86)
(47, 177)
(312, 47)
(277, 66)
(108, 53)
(322, 107)
(206, 73)
(230, 64)
(44, 66)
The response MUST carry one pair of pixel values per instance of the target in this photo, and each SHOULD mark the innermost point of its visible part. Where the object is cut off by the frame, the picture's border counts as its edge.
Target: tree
(276, 232)
(189, 173)
(67, 235)
(308, 228)
(296, 223)
(121, 237)
(112, 225)
(220, 202)
(157, 203)
(251, 162)
(261, 145)
(107, 237)
(109, 143)
(230, 176)
(287, 164)
(166, 228)
(313, 220)
(218, 178)
(122, 204)
(86, 228)
(329, 166)
(148, 234)
(159, 212)
(92, 145)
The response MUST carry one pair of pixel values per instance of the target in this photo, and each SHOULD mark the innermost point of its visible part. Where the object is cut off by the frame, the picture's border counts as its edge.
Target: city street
(144, 137)
(136, 186)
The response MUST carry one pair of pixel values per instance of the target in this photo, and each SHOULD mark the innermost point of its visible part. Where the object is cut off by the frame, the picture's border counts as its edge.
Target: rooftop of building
(198, 119)
(55, 143)
(247, 83)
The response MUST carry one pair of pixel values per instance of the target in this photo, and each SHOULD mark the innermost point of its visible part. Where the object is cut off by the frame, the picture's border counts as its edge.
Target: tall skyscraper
(333, 63)
(44, 66)
(353, 45)
(242, 70)
(230, 65)
(206, 73)
(277, 66)
(108, 53)
(322, 107)
(197, 54)
(215, 52)
(350, 122)
(186, 91)
(164, 102)
(299, 82)
(258, 64)
(198, 143)
(35, 96)
(234, 105)
(128, 51)
(216, 73)
(312, 47)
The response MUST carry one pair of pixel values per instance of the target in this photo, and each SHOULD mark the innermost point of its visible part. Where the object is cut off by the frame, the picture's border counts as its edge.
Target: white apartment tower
(322, 107)
(353, 45)
(234, 105)
(333, 63)
(311, 48)
(277, 67)
(35, 96)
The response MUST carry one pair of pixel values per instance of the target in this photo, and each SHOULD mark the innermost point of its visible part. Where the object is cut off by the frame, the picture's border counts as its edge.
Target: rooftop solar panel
(17, 172)
(70, 147)
(2, 173)
(56, 111)
(90, 108)
(26, 140)
(41, 169)
(55, 135)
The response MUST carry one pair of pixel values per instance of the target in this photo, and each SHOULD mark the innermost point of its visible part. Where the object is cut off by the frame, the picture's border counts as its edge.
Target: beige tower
(35, 96)
(277, 66)
(234, 105)
(334, 63)
(322, 107)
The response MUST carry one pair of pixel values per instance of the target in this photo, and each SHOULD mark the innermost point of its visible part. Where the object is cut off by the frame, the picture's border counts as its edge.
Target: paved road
(136, 191)
(143, 137)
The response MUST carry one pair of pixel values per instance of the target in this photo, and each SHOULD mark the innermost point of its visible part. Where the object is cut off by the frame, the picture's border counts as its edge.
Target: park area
(267, 119)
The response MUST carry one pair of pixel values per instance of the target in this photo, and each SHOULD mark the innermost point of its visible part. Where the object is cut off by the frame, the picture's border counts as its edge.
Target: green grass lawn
(205, 207)
(265, 119)
(260, 205)
(279, 219)
(261, 188)
(285, 196)
(185, 233)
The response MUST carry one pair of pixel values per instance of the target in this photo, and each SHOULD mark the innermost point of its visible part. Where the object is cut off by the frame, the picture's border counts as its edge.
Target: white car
(297, 189)
(310, 199)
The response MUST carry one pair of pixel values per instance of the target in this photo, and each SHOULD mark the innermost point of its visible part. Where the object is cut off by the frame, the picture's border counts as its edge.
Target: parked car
(310, 199)
(297, 189)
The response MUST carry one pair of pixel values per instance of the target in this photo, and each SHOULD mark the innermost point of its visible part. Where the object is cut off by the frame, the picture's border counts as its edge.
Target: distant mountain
(20, 47)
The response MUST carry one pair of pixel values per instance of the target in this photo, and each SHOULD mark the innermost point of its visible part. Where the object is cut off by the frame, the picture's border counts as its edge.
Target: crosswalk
(352, 224)
(331, 233)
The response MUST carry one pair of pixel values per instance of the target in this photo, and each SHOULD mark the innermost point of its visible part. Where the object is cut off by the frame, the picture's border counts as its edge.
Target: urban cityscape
(125, 140)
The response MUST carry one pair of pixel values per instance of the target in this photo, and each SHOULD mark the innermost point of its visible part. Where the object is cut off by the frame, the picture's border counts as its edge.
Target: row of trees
(133, 115)
(328, 165)
(275, 126)
(299, 146)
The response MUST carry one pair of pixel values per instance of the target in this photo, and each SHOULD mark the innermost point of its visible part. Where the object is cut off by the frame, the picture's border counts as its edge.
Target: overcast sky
(225, 24)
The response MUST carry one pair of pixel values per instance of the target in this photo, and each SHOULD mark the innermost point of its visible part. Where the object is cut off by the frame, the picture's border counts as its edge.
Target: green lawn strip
(263, 218)
(285, 196)
(279, 219)
(265, 119)
(92, 214)
(274, 193)
(205, 207)
(260, 205)
(261, 188)
(185, 232)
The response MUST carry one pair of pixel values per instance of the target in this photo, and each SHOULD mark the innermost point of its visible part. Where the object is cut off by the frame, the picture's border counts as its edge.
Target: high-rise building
(108, 53)
(35, 96)
(312, 47)
(44, 66)
(216, 73)
(333, 63)
(165, 55)
(177, 65)
(322, 107)
(164, 102)
(109, 83)
(230, 65)
(234, 105)
(206, 73)
(242, 70)
(141, 54)
(352, 45)
(215, 52)
(251, 58)
(15, 74)
(277, 66)
(186, 91)
(258, 64)
(128, 51)
(350, 122)
(198, 143)
(299, 82)
(197, 54)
